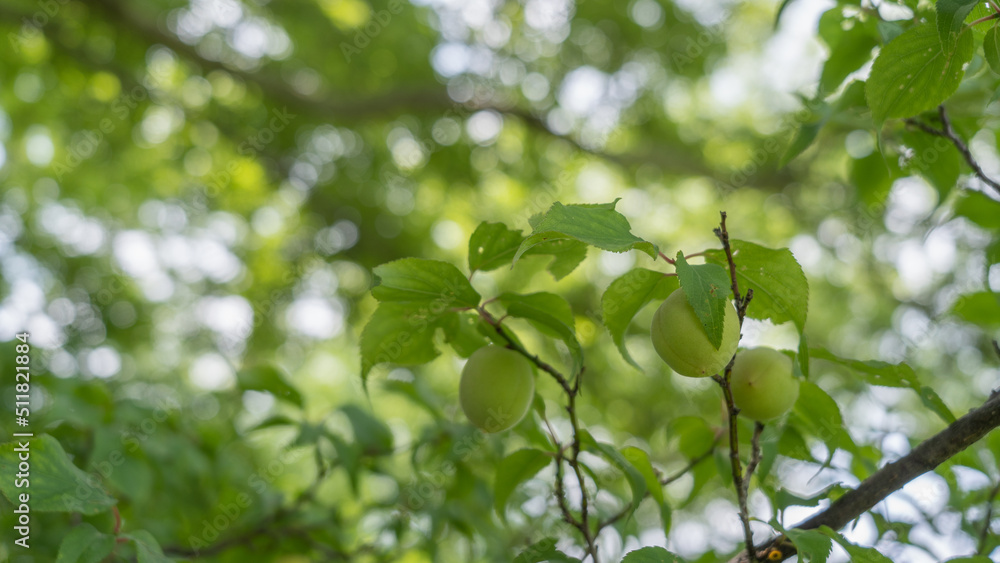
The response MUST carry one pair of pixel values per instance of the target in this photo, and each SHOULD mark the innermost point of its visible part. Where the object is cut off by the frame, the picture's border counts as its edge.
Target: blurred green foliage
(195, 195)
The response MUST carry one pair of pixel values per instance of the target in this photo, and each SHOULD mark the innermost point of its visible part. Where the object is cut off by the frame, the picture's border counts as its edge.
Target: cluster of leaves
(924, 55)
(90, 63)
(417, 297)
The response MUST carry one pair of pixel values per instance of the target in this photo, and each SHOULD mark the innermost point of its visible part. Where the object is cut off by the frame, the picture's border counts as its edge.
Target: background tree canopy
(199, 197)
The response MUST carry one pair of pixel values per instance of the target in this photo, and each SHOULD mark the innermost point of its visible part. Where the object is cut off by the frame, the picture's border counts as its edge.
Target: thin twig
(515, 346)
(755, 453)
(948, 132)
(742, 302)
(987, 523)
(691, 464)
(573, 459)
(664, 481)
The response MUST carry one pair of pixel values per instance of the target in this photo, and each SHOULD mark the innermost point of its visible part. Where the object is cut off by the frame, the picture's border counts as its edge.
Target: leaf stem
(984, 18)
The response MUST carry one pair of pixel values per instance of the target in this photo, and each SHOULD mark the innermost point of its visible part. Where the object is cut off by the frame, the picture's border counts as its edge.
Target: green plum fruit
(762, 383)
(680, 339)
(496, 389)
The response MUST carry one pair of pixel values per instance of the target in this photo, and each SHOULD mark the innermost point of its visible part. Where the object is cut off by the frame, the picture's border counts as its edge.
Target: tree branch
(341, 108)
(367, 106)
(572, 392)
(724, 382)
(929, 454)
(948, 132)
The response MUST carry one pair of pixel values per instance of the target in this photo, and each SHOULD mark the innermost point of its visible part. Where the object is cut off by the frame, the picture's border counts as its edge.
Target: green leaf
(813, 547)
(56, 485)
(982, 308)
(991, 48)
(370, 433)
(635, 479)
(934, 158)
(550, 314)
(694, 434)
(707, 288)
(979, 208)
(415, 280)
(807, 132)
(278, 420)
(567, 255)
(269, 378)
(348, 457)
(884, 374)
(85, 544)
(873, 176)
(912, 73)
(852, 50)
(651, 555)
(784, 498)
(951, 16)
(640, 461)
(780, 288)
(858, 554)
(399, 333)
(821, 112)
(513, 470)
(816, 412)
(544, 551)
(594, 224)
(462, 332)
(147, 548)
(791, 444)
(626, 296)
(492, 245)
(888, 31)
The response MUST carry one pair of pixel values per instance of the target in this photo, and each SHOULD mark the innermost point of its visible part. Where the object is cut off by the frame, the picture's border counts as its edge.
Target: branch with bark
(570, 457)
(741, 481)
(356, 108)
(932, 452)
(948, 132)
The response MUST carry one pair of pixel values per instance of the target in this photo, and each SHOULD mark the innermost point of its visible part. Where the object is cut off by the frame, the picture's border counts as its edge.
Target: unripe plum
(762, 383)
(680, 339)
(496, 389)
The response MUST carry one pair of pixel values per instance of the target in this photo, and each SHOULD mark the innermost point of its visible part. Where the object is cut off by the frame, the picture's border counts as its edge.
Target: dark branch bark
(948, 132)
(929, 454)
(740, 481)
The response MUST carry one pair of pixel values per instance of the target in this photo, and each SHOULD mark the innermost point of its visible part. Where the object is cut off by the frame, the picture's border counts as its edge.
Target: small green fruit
(496, 389)
(680, 339)
(762, 383)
